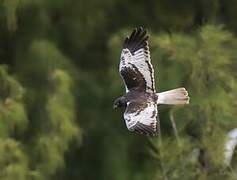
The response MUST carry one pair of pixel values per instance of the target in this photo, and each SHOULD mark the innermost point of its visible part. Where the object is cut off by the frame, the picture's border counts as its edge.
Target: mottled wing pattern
(142, 119)
(135, 63)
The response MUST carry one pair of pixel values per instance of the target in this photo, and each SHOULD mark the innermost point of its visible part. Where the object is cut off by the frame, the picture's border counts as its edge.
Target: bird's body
(141, 99)
(141, 105)
(131, 96)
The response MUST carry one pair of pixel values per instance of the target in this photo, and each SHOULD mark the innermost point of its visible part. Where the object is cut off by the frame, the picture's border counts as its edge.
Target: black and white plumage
(141, 99)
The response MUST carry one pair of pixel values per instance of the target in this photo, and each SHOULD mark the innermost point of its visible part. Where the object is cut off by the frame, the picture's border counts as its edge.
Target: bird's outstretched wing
(135, 62)
(142, 118)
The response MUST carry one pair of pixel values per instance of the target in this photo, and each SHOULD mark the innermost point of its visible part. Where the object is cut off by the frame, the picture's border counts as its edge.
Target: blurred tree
(14, 121)
(204, 62)
(59, 77)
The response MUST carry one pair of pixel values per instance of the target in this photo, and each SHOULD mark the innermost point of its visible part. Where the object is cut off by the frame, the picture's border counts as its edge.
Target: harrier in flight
(141, 99)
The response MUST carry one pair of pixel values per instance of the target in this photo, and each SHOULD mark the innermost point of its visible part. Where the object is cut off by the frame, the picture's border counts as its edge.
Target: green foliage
(205, 60)
(202, 62)
(14, 121)
(13, 161)
(59, 77)
(11, 8)
(13, 115)
(54, 93)
(60, 128)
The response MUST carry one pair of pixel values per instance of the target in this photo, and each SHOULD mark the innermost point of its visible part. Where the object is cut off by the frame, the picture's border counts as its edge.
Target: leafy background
(59, 77)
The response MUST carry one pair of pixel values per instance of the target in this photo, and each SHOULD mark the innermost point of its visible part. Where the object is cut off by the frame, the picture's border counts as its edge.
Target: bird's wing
(135, 63)
(142, 119)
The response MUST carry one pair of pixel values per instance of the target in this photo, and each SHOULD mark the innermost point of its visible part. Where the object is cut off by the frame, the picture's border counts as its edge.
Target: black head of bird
(120, 103)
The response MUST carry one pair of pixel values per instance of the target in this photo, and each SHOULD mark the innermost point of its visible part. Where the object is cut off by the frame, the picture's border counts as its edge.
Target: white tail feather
(173, 97)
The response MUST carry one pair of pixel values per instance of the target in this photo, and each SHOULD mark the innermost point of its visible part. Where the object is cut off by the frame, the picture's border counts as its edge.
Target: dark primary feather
(135, 64)
(137, 40)
(140, 128)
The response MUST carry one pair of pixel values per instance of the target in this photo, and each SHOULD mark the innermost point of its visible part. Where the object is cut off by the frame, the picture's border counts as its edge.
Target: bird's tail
(173, 97)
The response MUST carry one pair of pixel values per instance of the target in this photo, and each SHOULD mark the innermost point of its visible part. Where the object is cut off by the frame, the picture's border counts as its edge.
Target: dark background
(59, 78)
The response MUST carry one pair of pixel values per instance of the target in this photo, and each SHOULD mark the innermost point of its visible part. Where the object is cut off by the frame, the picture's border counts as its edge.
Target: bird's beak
(115, 106)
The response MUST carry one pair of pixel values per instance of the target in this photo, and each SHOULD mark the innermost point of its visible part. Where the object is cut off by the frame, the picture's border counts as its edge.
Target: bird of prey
(141, 99)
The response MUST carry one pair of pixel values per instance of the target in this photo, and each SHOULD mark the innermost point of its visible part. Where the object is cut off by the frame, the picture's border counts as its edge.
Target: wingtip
(139, 31)
(137, 39)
